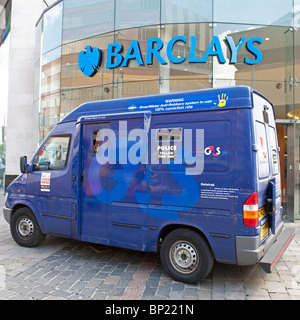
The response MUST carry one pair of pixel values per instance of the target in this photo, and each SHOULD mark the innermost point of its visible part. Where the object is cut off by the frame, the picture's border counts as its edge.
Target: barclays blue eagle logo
(89, 61)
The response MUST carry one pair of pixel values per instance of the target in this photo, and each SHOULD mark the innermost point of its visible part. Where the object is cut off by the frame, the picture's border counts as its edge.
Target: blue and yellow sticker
(175, 104)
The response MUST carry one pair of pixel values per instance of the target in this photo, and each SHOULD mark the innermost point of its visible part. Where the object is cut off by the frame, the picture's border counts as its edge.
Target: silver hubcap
(184, 257)
(25, 227)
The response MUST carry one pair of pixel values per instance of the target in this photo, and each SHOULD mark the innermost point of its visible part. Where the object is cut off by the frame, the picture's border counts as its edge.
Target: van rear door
(267, 160)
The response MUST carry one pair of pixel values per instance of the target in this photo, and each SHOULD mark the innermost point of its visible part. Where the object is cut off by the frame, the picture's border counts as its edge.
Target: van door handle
(82, 179)
(74, 178)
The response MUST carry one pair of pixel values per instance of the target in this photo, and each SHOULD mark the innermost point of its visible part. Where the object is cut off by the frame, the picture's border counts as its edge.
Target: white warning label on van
(45, 181)
(209, 191)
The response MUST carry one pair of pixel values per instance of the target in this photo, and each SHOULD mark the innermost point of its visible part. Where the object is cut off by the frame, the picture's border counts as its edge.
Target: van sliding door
(94, 179)
(114, 182)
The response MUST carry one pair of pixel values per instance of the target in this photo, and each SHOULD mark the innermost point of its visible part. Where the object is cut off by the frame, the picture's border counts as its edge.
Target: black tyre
(25, 229)
(186, 256)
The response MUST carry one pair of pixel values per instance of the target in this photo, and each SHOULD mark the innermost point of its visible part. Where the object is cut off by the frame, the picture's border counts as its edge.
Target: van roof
(198, 100)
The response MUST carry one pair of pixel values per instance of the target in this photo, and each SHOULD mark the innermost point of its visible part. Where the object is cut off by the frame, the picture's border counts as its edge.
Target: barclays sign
(90, 60)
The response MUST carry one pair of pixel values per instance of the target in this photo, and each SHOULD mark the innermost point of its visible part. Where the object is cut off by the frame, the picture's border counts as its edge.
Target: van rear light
(250, 211)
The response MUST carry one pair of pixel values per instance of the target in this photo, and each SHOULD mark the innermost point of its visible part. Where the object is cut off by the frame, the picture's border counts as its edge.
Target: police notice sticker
(45, 182)
(166, 152)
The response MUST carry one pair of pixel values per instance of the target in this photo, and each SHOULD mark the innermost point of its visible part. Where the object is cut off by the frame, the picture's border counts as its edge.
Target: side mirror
(23, 164)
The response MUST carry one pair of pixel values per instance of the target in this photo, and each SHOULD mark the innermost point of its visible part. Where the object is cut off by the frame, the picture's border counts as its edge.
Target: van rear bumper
(249, 252)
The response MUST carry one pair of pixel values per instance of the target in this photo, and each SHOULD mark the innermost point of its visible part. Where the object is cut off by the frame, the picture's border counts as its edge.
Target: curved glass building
(159, 46)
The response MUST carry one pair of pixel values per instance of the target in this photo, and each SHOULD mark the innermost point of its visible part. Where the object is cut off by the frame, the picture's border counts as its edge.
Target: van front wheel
(25, 229)
(186, 256)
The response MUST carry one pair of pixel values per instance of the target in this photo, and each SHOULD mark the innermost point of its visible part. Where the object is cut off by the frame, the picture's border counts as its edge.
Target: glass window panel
(50, 75)
(135, 88)
(296, 82)
(127, 80)
(54, 154)
(135, 13)
(84, 19)
(297, 13)
(271, 76)
(49, 114)
(76, 88)
(178, 11)
(266, 12)
(52, 26)
(186, 76)
(274, 47)
(51, 56)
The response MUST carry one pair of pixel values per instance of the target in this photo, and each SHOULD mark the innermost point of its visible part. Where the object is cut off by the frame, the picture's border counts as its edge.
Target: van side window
(167, 138)
(263, 151)
(171, 134)
(95, 141)
(54, 154)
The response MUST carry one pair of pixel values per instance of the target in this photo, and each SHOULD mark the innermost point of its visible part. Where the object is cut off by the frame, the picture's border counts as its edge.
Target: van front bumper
(249, 252)
(7, 214)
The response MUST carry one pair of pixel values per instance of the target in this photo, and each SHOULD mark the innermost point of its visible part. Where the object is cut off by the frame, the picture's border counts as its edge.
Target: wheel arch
(30, 206)
(19, 206)
(171, 227)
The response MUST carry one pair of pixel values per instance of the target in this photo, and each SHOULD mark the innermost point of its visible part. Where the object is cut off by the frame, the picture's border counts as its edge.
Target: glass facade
(68, 26)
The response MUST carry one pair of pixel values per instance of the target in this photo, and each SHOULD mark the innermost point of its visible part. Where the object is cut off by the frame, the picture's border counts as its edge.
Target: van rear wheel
(25, 229)
(186, 256)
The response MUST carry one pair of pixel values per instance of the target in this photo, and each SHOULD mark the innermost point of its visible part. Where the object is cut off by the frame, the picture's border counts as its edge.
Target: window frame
(62, 135)
(158, 134)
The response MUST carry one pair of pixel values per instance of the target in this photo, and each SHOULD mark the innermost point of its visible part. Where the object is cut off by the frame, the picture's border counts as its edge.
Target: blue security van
(193, 175)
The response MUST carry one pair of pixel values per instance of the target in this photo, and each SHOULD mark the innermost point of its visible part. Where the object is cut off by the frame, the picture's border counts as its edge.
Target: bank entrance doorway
(289, 143)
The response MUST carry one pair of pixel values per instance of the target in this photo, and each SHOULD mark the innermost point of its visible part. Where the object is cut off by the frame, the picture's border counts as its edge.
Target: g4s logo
(212, 150)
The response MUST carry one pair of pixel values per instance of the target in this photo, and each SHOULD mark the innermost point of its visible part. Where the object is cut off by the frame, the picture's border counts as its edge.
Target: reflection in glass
(127, 81)
(178, 11)
(271, 75)
(52, 29)
(133, 13)
(186, 76)
(50, 70)
(266, 12)
(296, 77)
(76, 88)
(54, 154)
(49, 114)
(84, 19)
(297, 13)
(50, 94)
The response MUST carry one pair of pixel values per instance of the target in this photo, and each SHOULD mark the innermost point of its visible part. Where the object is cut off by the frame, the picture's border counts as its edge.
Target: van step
(273, 255)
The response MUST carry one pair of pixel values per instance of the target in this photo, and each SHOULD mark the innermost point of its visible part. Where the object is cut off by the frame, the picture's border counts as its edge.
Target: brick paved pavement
(66, 269)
